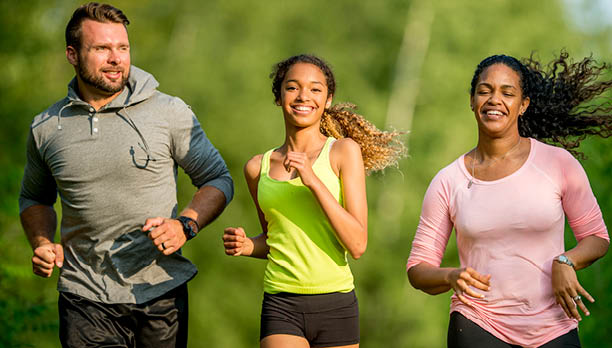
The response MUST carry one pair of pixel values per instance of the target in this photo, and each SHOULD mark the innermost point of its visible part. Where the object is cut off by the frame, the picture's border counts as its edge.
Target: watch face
(189, 227)
(192, 225)
(565, 260)
(190, 233)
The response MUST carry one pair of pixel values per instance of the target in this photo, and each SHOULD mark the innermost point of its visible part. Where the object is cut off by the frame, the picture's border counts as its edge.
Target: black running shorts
(324, 320)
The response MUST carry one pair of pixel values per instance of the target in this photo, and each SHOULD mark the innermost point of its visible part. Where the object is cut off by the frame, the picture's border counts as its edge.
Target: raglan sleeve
(435, 225)
(38, 186)
(194, 152)
(579, 203)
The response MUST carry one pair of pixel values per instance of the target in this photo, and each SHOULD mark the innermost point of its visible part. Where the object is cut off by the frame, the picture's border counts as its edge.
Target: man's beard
(98, 81)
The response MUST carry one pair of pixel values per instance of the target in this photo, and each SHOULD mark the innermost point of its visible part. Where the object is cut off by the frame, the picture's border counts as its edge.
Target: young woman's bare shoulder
(346, 146)
(345, 152)
(253, 167)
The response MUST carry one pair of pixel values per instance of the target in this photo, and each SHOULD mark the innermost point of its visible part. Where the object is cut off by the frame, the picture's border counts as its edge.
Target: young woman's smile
(304, 95)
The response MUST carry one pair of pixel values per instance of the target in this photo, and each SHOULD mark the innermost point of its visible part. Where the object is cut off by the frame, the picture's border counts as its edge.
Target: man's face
(103, 61)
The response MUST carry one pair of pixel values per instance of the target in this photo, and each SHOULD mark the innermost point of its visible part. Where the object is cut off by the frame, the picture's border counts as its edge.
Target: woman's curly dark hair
(564, 96)
(379, 149)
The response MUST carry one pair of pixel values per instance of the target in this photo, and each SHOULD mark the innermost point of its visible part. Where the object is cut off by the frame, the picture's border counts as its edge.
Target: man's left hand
(166, 234)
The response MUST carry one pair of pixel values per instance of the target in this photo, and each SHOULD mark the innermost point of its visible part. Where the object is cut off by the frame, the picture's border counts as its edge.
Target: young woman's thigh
(284, 341)
(290, 341)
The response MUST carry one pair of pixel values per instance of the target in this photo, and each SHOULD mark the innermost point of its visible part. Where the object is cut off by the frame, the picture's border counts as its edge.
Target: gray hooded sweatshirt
(114, 168)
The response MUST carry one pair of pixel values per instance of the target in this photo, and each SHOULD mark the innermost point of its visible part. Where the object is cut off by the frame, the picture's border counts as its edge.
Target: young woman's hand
(236, 242)
(568, 292)
(463, 280)
(300, 161)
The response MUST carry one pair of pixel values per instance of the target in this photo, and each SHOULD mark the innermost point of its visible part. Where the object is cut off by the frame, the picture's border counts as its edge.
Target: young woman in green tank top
(311, 200)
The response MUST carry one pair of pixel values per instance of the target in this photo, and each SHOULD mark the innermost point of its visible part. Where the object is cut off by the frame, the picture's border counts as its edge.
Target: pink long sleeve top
(511, 228)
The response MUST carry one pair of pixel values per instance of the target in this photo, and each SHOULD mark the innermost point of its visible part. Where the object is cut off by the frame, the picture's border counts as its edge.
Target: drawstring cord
(144, 146)
(59, 116)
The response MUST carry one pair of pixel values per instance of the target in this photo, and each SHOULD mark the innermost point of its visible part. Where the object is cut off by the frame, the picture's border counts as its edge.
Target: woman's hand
(300, 161)
(568, 291)
(463, 280)
(236, 242)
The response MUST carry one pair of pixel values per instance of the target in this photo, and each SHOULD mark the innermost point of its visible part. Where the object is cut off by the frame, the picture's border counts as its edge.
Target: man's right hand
(46, 257)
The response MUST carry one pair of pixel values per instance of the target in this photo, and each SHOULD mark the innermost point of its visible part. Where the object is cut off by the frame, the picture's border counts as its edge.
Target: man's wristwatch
(190, 226)
(563, 259)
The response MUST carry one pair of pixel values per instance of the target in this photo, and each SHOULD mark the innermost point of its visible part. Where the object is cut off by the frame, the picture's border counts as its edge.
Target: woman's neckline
(297, 178)
(475, 180)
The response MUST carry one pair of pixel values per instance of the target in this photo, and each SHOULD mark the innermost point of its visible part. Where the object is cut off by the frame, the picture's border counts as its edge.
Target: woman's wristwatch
(564, 259)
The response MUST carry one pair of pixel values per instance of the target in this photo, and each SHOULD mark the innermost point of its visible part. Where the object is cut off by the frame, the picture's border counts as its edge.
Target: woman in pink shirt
(507, 200)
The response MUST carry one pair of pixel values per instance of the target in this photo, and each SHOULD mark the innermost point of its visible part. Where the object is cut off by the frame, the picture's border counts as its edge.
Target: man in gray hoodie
(111, 149)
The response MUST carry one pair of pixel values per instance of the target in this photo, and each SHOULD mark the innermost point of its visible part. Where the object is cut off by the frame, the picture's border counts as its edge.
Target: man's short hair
(103, 13)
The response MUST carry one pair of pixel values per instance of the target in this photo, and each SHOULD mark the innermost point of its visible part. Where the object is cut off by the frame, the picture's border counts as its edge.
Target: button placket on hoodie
(94, 122)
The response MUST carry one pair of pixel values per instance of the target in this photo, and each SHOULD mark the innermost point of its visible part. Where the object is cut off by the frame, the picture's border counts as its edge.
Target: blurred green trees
(217, 55)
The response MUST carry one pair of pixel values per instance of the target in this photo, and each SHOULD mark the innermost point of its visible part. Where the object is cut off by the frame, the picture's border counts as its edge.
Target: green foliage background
(217, 55)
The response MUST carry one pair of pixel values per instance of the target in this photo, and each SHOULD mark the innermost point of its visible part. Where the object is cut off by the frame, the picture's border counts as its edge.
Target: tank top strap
(323, 159)
(265, 163)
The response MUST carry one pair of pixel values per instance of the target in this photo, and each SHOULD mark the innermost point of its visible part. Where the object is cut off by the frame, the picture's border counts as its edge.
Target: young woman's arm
(351, 221)
(235, 241)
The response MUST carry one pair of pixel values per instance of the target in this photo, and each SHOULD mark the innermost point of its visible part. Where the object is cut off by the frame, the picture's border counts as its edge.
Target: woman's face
(498, 100)
(304, 95)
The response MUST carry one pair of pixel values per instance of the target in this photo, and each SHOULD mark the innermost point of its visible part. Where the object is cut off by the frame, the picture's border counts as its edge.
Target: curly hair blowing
(563, 108)
(379, 149)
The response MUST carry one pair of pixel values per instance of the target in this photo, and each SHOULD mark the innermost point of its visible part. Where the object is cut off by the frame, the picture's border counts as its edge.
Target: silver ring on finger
(577, 298)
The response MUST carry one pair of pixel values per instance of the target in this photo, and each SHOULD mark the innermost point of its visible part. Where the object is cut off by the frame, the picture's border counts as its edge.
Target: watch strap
(190, 226)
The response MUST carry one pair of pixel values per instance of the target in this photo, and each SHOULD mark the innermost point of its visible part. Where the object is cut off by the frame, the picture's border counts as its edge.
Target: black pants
(161, 322)
(464, 333)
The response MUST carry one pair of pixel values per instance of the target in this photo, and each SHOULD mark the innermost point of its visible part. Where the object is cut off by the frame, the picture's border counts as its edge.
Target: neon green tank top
(305, 255)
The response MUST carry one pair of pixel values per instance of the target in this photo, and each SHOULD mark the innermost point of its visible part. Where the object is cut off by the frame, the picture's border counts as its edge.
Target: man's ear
(72, 56)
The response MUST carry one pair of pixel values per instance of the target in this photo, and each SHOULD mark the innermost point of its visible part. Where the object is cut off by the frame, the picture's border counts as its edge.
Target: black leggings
(464, 333)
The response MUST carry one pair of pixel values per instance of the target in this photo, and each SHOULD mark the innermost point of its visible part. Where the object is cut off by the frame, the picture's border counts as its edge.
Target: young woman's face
(304, 95)
(498, 100)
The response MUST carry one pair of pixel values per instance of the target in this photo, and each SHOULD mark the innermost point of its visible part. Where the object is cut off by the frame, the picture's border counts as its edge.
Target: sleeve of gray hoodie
(193, 152)
(37, 186)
